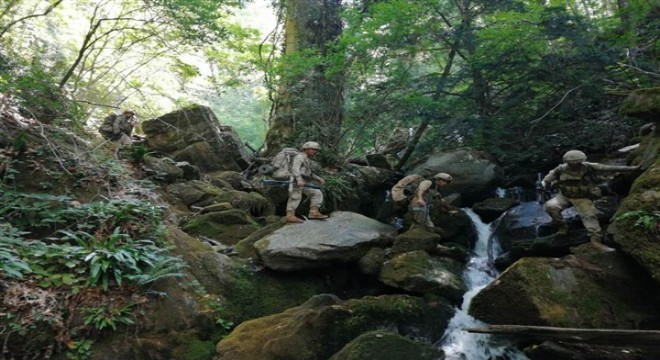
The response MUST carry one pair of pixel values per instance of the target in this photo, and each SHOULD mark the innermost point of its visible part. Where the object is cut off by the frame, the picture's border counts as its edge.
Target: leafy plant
(648, 220)
(11, 263)
(104, 317)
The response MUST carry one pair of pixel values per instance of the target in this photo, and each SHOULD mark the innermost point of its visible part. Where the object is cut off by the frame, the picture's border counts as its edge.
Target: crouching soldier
(421, 201)
(118, 128)
(301, 173)
(577, 182)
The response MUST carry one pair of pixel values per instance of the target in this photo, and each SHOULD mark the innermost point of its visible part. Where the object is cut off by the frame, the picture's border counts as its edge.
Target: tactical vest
(578, 184)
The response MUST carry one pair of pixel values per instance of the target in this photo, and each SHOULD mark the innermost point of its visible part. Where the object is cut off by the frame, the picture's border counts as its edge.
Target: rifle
(542, 195)
(285, 183)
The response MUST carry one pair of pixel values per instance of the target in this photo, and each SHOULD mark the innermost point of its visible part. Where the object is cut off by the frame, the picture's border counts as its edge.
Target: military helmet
(443, 176)
(311, 145)
(574, 156)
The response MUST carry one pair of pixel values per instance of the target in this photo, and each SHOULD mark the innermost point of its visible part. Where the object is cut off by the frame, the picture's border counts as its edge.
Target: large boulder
(590, 290)
(419, 272)
(195, 135)
(492, 208)
(384, 345)
(344, 237)
(475, 175)
(323, 325)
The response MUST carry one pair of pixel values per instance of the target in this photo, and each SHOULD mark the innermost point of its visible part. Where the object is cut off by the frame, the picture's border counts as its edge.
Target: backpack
(107, 128)
(284, 159)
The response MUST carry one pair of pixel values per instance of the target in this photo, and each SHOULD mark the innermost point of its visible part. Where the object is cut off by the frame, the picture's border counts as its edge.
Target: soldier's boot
(315, 214)
(598, 243)
(291, 217)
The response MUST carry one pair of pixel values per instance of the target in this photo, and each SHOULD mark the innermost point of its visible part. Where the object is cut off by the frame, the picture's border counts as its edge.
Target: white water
(457, 343)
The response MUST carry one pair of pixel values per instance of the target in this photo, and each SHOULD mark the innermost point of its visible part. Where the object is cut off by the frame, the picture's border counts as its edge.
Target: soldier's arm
(295, 167)
(611, 168)
(421, 190)
(551, 177)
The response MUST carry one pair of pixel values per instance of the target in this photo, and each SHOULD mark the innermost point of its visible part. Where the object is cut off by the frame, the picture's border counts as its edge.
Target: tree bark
(308, 105)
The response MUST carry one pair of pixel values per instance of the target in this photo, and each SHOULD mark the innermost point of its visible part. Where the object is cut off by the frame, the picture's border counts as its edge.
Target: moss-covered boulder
(201, 194)
(372, 262)
(591, 290)
(636, 228)
(383, 345)
(419, 272)
(193, 134)
(245, 291)
(416, 238)
(323, 325)
(227, 226)
(245, 247)
(644, 104)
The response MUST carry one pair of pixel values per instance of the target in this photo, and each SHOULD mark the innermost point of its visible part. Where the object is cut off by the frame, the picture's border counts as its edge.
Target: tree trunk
(308, 106)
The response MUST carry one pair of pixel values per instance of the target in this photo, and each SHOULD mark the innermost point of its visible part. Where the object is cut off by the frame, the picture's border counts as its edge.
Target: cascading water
(457, 343)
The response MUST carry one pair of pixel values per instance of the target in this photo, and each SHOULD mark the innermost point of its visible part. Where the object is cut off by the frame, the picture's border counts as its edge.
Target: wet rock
(228, 227)
(372, 262)
(490, 209)
(416, 238)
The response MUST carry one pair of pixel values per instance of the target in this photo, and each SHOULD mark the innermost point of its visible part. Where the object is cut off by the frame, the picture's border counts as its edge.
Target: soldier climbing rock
(118, 128)
(421, 199)
(577, 182)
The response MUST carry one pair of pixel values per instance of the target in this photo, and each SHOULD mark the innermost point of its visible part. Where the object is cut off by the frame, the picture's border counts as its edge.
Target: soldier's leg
(315, 201)
(589, 216)
(295, 195)
(418, 213)
(554, 208)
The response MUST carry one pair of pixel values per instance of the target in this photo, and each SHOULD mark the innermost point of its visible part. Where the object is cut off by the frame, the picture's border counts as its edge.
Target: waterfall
(479, 272)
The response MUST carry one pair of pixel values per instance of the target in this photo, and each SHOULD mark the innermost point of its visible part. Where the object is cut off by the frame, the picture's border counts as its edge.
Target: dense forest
(87, 238)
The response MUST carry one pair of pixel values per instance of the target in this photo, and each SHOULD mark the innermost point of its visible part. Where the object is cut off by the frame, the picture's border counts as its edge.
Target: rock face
(475, 175)
(323, 325)
(385, 345)
(490, 209)
(642, 205)
(195, 135)
(344, 237)
(590, 290)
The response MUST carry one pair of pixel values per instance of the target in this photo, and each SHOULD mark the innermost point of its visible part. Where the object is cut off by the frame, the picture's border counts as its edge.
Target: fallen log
(575, 335)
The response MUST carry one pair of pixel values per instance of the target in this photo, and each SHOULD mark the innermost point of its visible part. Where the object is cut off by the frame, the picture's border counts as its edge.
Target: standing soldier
(421, 201)
(577, 183)
(118, 129)
(301, 172)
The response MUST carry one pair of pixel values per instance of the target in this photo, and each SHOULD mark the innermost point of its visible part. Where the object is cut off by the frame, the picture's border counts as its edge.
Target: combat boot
(315, 214)
(291, 217)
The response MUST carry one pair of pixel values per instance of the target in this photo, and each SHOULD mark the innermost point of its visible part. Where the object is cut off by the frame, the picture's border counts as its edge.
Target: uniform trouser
(584, 207)
(420, 215)
(295, 195)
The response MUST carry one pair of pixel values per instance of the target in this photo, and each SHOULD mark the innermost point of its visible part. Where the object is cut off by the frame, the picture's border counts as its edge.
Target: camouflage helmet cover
(443, 176)
(311, 145)
(574, 156)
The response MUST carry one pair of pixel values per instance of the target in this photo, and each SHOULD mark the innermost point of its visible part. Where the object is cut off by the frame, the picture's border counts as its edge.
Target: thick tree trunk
(309, 103)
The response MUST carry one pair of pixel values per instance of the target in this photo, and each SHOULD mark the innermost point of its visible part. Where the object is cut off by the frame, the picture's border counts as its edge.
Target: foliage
(647, 220)
(109, 317)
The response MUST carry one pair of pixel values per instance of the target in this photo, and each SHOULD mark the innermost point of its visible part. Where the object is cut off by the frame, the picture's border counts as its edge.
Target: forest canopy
(357, 75)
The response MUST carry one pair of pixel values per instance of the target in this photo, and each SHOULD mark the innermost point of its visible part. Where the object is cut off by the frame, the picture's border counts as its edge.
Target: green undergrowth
(75, 270)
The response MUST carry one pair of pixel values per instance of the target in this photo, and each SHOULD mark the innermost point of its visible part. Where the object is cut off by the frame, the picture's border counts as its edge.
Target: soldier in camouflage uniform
(421, 200)
(301, 170)
(577, 183)
(117, 129)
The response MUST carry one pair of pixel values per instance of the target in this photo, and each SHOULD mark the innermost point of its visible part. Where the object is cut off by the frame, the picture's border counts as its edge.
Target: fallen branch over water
(593, 336)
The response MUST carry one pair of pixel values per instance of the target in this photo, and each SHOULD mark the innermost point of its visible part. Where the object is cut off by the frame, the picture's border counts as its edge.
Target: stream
(457, 343)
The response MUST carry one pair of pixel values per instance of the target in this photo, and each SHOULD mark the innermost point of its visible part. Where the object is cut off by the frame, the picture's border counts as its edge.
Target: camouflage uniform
(577, 187)
(301, 169)
(118, 129)
(424, 191)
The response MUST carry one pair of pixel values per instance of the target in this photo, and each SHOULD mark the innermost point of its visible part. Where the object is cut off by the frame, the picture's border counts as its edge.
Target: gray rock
(344, 237)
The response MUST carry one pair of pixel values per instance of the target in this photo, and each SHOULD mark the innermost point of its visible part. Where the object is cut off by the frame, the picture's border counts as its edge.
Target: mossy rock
(384, 345)
(643, 103)
(245, 247)
(640, 242)
(323, 325)
(228, 226)
(421, 273)
(416, 238)
(372, 262)
(194, 192)
(590, 290)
